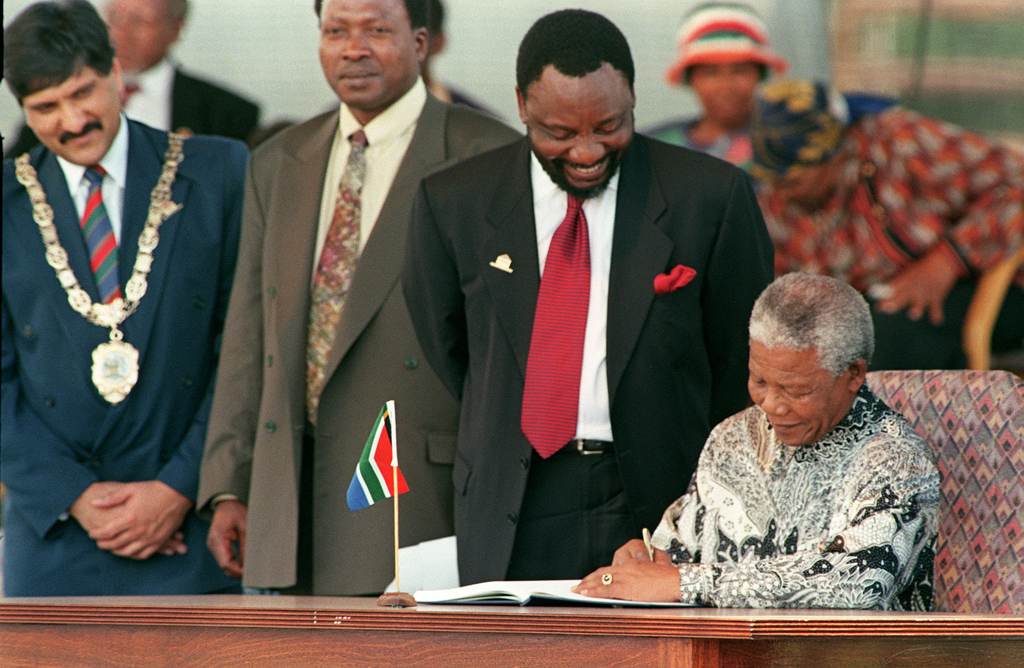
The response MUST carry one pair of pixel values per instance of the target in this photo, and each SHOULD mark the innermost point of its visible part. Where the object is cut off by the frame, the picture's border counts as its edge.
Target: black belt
(586, 446)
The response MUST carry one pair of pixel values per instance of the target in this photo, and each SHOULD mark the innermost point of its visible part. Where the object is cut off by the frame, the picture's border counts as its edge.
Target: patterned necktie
(99, 237)
(552, 391)
(334, 272)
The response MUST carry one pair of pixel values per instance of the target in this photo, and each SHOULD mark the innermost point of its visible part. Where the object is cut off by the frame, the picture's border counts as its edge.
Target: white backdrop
(267, 50)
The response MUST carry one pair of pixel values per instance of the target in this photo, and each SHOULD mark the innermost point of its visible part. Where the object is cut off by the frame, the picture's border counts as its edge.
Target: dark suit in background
(197, 107)
(58, 434)
(676, 362)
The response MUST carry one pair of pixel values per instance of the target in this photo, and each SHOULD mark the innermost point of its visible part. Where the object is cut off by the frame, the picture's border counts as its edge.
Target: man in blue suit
(119, 245)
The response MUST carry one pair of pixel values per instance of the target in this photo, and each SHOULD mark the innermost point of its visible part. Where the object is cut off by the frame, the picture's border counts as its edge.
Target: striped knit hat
(722, 32)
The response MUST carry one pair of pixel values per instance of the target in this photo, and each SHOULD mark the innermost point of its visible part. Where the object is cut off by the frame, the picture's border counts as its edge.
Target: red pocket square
(673, 280)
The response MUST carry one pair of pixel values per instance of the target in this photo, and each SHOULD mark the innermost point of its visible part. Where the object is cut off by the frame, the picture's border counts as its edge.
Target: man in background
(437, 40)
(905, 208)
(119, 246)
(584, 292)
(318, 336)
(157, 91)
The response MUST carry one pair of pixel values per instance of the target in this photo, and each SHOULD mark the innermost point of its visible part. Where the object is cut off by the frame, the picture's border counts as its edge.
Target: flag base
(396, 599)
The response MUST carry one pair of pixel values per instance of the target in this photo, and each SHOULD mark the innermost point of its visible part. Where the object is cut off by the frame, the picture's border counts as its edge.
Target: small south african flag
(374, 477)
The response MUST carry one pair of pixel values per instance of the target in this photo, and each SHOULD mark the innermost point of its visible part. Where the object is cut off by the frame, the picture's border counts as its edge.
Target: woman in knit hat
(723, 54)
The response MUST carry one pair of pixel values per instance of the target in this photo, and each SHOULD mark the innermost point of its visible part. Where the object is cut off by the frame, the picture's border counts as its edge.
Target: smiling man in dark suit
(119, 245)
(592, 352)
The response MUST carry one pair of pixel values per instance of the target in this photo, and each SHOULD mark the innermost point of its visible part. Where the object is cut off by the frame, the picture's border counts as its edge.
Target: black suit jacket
(196, 105)
(676, 362)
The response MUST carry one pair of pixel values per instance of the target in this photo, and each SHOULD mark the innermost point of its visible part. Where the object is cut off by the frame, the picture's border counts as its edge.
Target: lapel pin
(503, 262)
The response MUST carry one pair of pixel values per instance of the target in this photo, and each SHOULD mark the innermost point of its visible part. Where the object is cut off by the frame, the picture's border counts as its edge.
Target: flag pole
(394, 474)
(397, 598)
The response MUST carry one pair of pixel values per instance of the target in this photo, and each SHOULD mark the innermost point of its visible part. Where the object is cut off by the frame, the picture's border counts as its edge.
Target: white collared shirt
(550, 204)
(115, 163)
(388, 137)
(151, 104)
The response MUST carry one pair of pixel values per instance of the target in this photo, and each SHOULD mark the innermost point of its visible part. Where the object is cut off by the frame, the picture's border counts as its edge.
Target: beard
(554, 168)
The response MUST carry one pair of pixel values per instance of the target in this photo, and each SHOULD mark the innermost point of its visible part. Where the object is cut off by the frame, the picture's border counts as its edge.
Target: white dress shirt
(115, 163)
(388, 137)
(151, 103)
(550, 204)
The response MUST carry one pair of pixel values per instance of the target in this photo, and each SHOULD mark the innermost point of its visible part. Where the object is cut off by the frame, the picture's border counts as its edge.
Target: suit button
(95, 463)
(27, 331)
(198, 303)
(525, 461)
(271, 292)
(271, 427)
(50, 402)
(187, 381)
(513, 518)
(412, 363)
(270, 360)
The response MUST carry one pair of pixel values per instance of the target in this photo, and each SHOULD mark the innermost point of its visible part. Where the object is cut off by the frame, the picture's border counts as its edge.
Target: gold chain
(160, 209)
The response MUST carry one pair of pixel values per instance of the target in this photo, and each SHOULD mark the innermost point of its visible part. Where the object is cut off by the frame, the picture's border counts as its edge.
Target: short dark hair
(418, 10)
(49, 41)
(576, 42)
(435, 22)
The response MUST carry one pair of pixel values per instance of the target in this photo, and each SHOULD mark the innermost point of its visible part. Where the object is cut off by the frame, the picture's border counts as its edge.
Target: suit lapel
(291, 231)
(145, 161)
(380, 263)
(66, 220)
(513, 232)
(640, 251)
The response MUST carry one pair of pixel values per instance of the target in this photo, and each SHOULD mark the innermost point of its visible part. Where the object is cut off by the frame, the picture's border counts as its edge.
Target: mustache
(89, 127)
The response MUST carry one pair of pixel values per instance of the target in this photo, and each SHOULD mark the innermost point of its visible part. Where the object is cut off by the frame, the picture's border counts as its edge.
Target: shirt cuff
(696, 582)
(222, 497)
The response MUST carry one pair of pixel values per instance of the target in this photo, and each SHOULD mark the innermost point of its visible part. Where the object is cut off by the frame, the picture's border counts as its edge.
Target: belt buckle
(583, 451)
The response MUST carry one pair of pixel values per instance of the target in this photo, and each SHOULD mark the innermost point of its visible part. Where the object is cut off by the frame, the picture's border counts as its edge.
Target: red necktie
(551, 395)
(99, 237)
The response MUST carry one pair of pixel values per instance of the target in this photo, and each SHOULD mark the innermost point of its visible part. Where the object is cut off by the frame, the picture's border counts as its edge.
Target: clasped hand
(133, 519)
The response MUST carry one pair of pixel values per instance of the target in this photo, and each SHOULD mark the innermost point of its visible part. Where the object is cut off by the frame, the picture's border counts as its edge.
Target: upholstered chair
(975, 422)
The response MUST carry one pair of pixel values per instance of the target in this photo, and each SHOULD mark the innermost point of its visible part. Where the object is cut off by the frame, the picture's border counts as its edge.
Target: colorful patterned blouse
(734, 147)
(908, 184)
(848, 522)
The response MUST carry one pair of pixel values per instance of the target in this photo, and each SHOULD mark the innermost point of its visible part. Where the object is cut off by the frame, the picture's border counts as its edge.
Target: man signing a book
(819, 496)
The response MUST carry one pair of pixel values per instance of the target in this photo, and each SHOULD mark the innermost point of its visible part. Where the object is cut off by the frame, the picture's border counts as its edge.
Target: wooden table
(285, 631)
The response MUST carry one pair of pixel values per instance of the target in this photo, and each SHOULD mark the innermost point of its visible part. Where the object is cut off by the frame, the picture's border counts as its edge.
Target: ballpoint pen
(647, 543)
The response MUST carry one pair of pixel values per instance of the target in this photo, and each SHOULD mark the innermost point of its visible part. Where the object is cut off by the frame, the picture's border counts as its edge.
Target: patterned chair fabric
(975, 422)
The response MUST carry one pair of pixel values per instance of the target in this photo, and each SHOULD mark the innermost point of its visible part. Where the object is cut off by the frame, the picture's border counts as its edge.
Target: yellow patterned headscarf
(796, 124)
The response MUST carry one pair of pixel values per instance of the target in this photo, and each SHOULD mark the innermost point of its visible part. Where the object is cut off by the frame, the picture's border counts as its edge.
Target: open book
(522, 592)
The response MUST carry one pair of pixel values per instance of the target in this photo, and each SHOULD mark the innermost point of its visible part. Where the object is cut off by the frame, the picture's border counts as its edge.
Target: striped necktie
(99, 237)
(551, 394)
(334, 272)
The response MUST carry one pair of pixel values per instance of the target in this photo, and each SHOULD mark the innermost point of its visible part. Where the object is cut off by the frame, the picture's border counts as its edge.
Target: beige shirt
(388, 137)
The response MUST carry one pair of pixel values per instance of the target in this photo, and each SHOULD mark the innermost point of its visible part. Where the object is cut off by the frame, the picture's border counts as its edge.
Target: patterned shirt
(848, 522)
(908, 184)
(734, 147)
